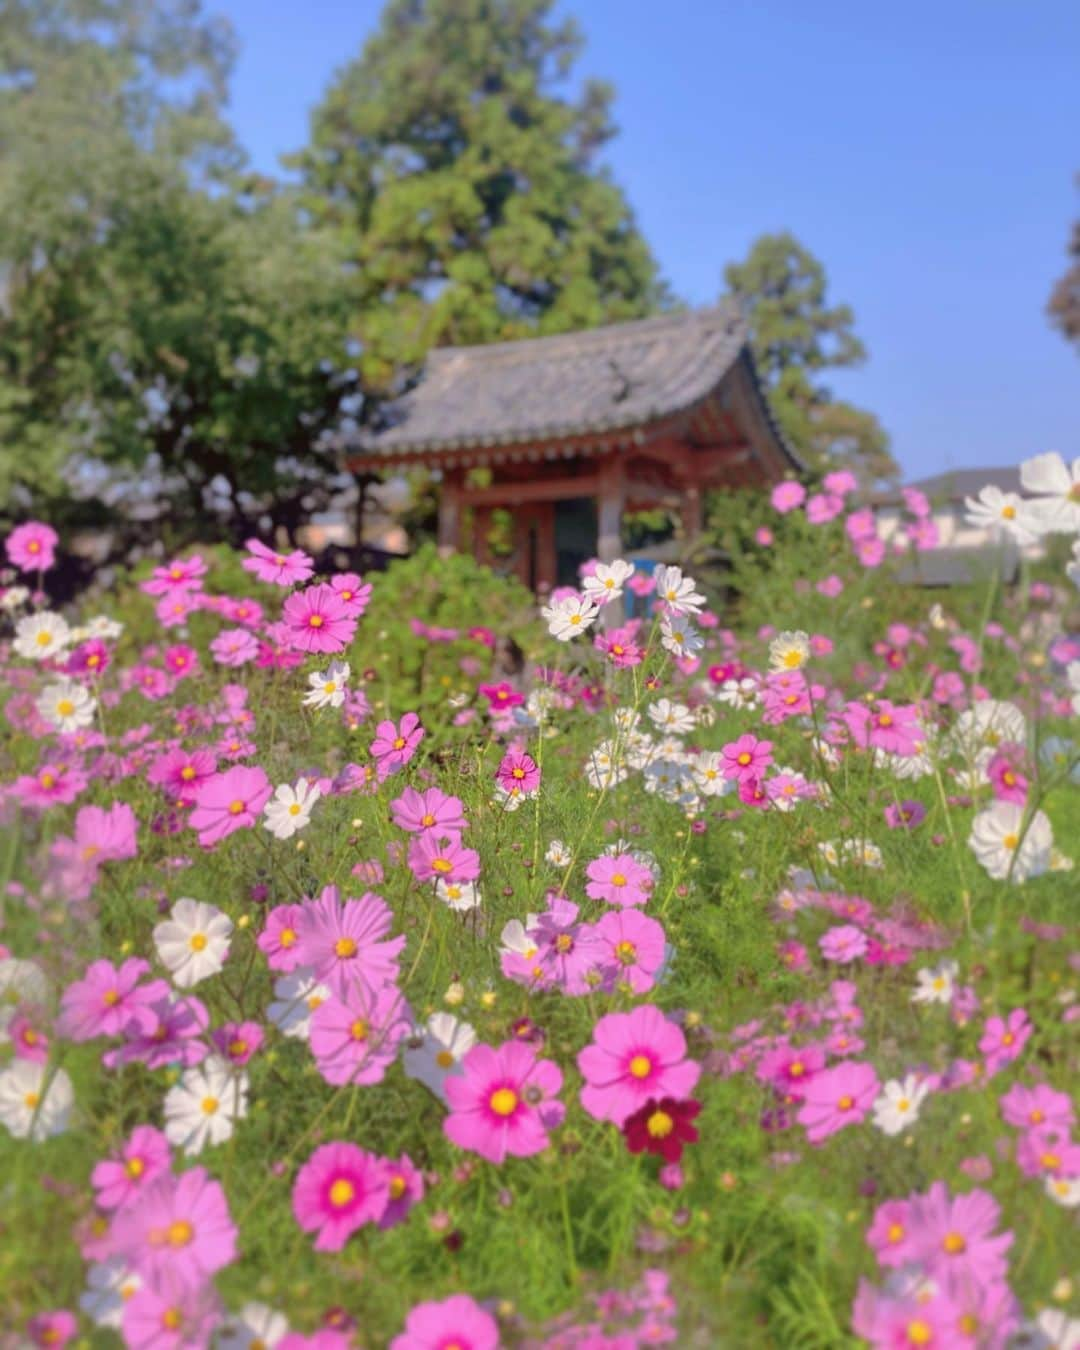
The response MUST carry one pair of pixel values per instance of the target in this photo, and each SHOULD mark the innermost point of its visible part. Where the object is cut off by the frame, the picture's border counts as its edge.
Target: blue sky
(926, 152)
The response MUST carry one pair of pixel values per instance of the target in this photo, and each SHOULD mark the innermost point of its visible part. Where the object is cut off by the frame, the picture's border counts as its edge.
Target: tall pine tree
(465, 187)
(796, 335)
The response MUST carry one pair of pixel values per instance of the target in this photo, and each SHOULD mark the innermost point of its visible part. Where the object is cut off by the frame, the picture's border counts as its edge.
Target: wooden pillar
(450, 511)
(546, 560)
(610, 501)
(691, 512)
(481, 529)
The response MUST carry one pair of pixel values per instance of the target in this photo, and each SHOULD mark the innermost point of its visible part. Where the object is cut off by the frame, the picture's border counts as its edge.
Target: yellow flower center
(744, 758)
(399, 742)
(187, 773)
(564, 943)
(330, 687)
(345, 947)
(1010, 841)
(315, 621)
(797, 1069)
(442, 865)
(359, 1030)
(518, 772)
(397, 1187)
(110, 998)
(640, 1066)
(197, 942)
(1008, 512)
(504, 1101)
(47, 780)
(444, 1059)
(660, 1125)
(626, 952)
(172, 1319)
(295, 809)
(238, 1048)
(846, 1103)
(286, 937)
(30, 1100)
(43, 638)
(618, 879)
(954, 1244)
(210, 1105)
(342, 1192)
(895, 1232)
(179, 1233)
(793, 659)
(65, 707)
(236, 807)
(427, 821)
(919, 1333)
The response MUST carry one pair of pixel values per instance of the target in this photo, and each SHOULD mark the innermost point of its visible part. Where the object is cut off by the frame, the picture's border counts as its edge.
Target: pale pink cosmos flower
(340, 1188)
(632, 949)
(343, 941)
(618, 880)
(1037, 1106)
(355, 1039)
(394, 746)
(457, 1320)
(108, 1000)
(238, 1041)
(182, 574)
(503, 1102)
(442, 857)
(280, 937)
(229, 801)
(167, 1315)
(180, 1227)
(352, 591)
(317, 620)
(634, 1056)
(280, 569)
(180, 773)
(32, 547)
(953, 1236)
(787, 497)
(429, 810)
(1004, 1038)
(176, 1039)
(52, 1330)
(143, 1157)
(405, 1184)
(234, 647)
(844, 943)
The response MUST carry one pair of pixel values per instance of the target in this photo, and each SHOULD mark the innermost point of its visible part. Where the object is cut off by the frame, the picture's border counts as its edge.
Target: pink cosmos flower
(167, 1315)
(632, 950)
(840, 482)
(787, 497)
(280, 569)
(634, 1056)
(1034, 1107)
(52, 1330)
(173, 610)
(1003, 1039)
(429, 810)
(339, 1189)
(32, 547)
(871, 552)
(434, 857)
(518, 772)
(91, 658)
(503, 1101)
(151, 682)
(905, 815)
(844, 944)
(53, 782)
(108, 1001)
(238, 1041)
(836, 1098)
(182, 574)
(885, 1322)
(355, 1039)
(142, 1159)
(235, 647)
(1006, 774)
(502, 695)
(342, 941)
(247, 612)
(280, 937)
(317, 620)
(952, 1236)
(889, 1236)
(823, 507)
(746, 757)
(455, 1321)
(180, 1228)
(28, 1041)
(621, 645)
(405, 1184)
(394, 746)
(229, 801)
(175, 1039)
(790, 1068)
(618, 880)
(352, 592)
(787, 695)
(326, 1338)
(1048, 1151)
(180, 773)
(105, 835)
(886, 726)
(567, 952)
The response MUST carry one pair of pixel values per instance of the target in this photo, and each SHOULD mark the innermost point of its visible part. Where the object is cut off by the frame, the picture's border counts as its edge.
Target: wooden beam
(611, 501)
(536, 490)
(449, 539)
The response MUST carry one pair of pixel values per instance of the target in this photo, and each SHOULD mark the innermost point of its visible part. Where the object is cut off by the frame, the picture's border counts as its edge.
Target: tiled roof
(595, 381)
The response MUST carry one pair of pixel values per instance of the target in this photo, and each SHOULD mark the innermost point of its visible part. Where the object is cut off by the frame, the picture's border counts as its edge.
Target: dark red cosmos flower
(662, 1127)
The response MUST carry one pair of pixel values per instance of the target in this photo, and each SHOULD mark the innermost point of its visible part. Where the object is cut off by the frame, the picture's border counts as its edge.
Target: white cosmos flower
(13, 598)
(980, 729)
(936, 984)
(739, 694)
(438, 1051)
(109, 1285)
(679, 636)
(20, 982)
(898, 1105)
(101, 626)
(201, 1108)
(607, 581)
(569, 617)
(668, 779)
(1064, 1191)
(254, 1327)
(677, 591)
(193, 942)
(35, 1103)
(289, 809)
(67, 706)
(671, 717)
(789, 651)
(604, 767)
(459, 895)
(558, 854)
(707, 771)
(1059, 754)
(1005, 848)
(296, 996)
(1072, 674)
(327, 688)
(1004, 513)
(1056, 1331)
(1072, 569)
(41, 636)
(1057, 485)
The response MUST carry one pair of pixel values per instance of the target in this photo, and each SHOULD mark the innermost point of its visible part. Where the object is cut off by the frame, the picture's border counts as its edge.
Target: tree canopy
(1064, 306)
(796, 335)
(465, 186)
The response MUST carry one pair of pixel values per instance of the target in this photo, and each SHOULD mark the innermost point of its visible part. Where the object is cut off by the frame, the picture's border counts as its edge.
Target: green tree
(170, 336)
(465, 187)
(1064, 306)
(796, 335)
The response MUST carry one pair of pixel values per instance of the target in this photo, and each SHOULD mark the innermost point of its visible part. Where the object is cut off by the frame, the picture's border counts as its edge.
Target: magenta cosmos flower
(179, 1228)
(318, 620)
(455, 1323)
(518, 772)
(280, 569)
(32, 547)
(343, 941)
(182, 574)
(619, 880)
(746, 757)
(229, 801)
(108, 1001)
(634, 1056)
(836, 1098)
(632, 950)
(394, 746)
(338, 1190)
(1004, 1038)
(503, 1101)
(434, 857)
